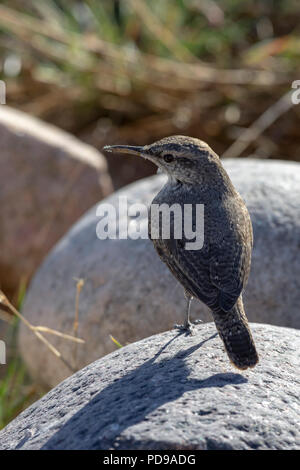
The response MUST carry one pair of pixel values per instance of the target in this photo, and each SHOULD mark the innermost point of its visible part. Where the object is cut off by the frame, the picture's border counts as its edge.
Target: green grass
(16, 389)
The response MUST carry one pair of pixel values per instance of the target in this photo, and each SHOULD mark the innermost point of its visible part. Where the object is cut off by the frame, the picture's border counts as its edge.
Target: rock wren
(217, 273)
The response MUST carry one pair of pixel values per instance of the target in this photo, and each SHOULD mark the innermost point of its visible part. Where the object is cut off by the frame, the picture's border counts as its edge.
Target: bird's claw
(187, 328)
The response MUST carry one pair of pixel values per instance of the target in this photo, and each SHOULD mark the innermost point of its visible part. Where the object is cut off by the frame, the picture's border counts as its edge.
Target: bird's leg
(187, 325)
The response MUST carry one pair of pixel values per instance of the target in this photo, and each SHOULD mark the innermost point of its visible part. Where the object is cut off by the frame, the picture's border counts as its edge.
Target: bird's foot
(187, 327)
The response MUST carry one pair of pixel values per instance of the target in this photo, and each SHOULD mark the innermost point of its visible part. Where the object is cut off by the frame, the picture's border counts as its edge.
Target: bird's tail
(235, 333)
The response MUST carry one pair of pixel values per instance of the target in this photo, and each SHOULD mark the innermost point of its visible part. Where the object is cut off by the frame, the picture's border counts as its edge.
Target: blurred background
(134, 71)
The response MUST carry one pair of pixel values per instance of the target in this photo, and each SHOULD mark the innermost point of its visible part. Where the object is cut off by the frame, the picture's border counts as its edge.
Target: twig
(259, 126)
(79, 286)
(36, 330)
(45, 329)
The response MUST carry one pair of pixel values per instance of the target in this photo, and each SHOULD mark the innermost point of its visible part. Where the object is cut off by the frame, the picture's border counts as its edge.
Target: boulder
(48, 179)
(172, 391)
(130, 294)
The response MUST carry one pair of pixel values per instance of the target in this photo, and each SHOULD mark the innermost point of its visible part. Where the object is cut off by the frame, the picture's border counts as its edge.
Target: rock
(47, 180)
(130, 294)
(172, 391)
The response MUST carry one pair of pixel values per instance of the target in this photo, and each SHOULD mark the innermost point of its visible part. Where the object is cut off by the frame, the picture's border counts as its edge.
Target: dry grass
(17, 390)
(136, 71)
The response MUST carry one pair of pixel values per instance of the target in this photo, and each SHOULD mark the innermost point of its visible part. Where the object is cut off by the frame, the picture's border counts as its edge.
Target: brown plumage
(217, 273)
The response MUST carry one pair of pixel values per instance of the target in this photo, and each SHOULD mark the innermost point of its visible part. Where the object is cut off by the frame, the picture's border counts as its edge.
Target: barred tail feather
(235, 333)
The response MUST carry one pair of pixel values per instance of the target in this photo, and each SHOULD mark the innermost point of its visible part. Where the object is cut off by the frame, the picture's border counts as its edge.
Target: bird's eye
(168, 158)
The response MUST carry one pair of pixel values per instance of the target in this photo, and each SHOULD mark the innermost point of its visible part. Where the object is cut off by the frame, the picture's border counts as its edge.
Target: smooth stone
(48, 179)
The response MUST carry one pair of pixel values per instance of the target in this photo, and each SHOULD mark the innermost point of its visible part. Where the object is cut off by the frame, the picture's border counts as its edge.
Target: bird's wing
(217, 273)
(190, 268)
(230, 260)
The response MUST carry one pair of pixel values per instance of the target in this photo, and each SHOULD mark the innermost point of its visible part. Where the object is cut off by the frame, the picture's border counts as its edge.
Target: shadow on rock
(130, 400)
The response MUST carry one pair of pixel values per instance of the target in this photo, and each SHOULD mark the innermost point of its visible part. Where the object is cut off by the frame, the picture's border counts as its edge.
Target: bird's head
(185, 159)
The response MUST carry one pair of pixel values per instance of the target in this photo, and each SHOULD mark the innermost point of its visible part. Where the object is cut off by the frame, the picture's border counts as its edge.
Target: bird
(217, 273)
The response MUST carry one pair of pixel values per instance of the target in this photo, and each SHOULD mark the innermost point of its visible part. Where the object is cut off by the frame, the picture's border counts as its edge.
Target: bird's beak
(129, 149)
(132, 150)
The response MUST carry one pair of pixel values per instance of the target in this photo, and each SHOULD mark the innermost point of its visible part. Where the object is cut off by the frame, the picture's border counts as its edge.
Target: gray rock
(171, 391)
(48, 179)
(130, 294)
